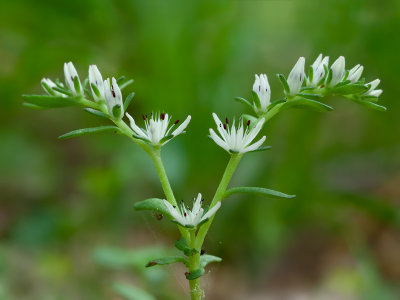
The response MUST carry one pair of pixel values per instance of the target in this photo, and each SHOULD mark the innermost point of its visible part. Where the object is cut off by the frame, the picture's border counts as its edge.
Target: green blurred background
(67, 227)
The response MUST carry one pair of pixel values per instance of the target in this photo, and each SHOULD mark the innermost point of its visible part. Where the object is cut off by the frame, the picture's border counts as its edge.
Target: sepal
(284, 83)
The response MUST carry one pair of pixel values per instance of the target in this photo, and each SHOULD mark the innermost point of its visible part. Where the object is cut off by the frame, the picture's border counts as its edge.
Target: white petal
(296, 76)
(182, 127)
(174, 213)
(211, 211)
(138, 131)
(338, 71)
(218, 140)
(255, 146)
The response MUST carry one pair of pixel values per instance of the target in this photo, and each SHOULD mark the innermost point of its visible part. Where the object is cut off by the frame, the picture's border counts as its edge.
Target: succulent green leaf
(155, 204)
(306, 103)
(128, 100)
(46, 101)
(183, 245)
(205, 259)
(90, 130)
(96, 113)
(350, 89)
(166, 261)
(195, 274)
(310, 96)
(257, 191)
(244, 101)
(372, 105)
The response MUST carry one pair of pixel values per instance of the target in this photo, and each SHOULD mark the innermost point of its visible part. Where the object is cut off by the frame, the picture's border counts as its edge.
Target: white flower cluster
(320, 76)
(107, 90)
(237, 140)
(156, 131)
(191, 218)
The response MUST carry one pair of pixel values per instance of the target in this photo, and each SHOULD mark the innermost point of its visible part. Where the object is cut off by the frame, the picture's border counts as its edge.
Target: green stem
(196, 293)
(219, 194)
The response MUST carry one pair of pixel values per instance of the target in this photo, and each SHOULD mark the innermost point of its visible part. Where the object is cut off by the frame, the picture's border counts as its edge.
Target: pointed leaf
(128, 100)
(195, 274)
(166, 261)
(33, 106)
(257, 191)
(244, 101)
(183, 245)
(155, 204)
(306, 103)
(96, 113)
(372, 105)
(351, 89)
(50, 101)
(86, 131)
(310, 96)
(125, 84)
(205, 259)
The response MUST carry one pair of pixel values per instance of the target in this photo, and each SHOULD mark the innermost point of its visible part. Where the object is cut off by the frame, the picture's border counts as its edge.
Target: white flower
(263, 91)
(296, 77)
(338, 71)
(113, 98)
(318, 68)
(372, 91)
(194, 217)
(157, 132)
(70, 74)
(355, 73)
(237, 140)
(96, 83)
(48, 86)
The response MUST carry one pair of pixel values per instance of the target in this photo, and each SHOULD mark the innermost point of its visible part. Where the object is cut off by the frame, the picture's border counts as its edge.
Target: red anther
(144, 117)
(226, 120)
(113, 93)
(162, 116)
(248, 123)
(185, 214)
(224, 126)
(176, 122)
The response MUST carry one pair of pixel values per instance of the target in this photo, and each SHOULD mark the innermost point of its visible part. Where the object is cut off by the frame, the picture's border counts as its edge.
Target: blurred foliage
(60, 200)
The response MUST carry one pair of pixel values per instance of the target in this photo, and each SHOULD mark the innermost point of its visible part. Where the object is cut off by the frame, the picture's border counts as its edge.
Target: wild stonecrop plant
(103, 98)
